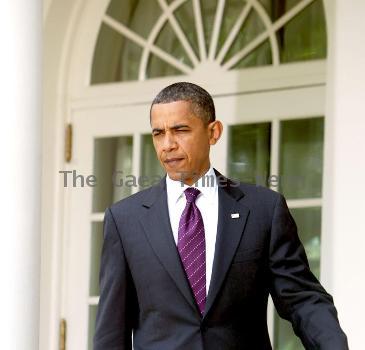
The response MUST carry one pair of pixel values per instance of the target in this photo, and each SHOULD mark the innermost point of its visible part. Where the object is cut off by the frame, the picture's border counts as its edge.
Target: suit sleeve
(297, 294)
(117, 305)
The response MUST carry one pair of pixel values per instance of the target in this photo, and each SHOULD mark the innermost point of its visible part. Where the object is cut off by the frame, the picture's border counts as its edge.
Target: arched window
(144, 39)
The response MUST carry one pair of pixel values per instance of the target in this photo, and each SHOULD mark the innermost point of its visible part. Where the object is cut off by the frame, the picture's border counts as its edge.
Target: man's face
(182, 140)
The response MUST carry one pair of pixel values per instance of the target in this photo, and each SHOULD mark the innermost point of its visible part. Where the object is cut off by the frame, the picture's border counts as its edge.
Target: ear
(215, 131)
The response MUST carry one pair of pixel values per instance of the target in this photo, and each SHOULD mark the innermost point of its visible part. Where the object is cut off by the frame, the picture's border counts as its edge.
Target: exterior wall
(344, 173)
(46, 6)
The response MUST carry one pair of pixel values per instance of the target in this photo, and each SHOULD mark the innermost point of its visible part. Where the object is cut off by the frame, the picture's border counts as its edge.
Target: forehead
(172, 112)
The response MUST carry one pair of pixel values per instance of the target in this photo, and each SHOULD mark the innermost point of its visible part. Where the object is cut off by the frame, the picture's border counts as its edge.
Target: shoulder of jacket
(131, 201)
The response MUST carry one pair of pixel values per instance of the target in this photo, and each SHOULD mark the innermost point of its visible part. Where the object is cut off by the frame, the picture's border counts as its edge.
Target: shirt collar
(208, 188)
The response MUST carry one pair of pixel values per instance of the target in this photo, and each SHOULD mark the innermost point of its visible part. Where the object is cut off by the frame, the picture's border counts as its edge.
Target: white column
(343, 250)
(20, 145)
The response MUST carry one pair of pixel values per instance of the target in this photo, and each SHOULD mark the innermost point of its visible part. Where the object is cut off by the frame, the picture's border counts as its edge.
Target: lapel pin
(235, 216)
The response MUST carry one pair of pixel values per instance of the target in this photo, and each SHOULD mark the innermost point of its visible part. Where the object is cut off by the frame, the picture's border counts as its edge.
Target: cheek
(201, 148)
(156, 143)
(186, 149)
(195, 152)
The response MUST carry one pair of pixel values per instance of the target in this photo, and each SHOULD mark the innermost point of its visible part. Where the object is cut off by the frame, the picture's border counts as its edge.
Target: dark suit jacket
(144, 288)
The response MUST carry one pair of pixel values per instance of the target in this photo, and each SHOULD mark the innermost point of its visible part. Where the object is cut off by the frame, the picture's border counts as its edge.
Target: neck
(192, 178)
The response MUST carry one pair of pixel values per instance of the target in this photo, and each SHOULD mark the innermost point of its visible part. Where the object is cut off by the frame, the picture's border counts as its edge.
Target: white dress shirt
(207, 202)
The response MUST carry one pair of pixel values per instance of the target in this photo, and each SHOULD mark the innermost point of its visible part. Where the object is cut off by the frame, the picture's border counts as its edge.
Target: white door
(118, 138)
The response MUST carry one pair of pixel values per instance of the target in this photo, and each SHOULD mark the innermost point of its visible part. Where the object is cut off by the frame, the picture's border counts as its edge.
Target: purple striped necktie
(191, 246)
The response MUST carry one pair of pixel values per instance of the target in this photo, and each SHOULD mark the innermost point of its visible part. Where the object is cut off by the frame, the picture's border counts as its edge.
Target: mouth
(172, 162)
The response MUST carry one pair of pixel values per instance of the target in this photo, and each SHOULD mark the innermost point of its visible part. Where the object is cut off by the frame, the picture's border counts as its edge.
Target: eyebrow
(175, 127)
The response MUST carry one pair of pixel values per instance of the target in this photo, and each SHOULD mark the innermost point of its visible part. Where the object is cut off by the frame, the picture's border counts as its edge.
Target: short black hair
(201, 101)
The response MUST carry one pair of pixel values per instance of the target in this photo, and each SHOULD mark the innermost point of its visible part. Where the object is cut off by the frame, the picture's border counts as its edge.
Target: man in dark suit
(188, 264)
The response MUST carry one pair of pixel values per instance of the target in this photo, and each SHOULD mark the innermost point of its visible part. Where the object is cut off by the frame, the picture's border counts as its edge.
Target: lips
(173, 161)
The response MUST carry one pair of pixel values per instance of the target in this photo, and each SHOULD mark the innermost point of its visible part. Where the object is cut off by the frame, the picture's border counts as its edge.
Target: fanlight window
(143, 39)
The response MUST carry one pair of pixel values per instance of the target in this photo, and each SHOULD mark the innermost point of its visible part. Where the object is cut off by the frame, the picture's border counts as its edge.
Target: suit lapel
(229, 233)
(157, 228)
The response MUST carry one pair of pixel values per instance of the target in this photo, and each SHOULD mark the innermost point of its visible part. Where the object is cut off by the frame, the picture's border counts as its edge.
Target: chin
(175, 175)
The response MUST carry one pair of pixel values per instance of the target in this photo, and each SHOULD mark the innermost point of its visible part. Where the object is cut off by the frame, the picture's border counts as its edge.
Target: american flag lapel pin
(235, 215)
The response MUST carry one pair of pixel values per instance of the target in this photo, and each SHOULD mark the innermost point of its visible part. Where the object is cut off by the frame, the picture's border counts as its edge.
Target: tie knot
(191, 194)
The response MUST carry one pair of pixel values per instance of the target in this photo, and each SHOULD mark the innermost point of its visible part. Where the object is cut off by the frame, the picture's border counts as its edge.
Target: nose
(169, 142)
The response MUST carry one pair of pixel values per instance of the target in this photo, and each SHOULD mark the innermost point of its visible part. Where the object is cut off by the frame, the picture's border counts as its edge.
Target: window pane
(132, 13)
(285, 339)
(208, 9)
(304, 37)
(116, 58)
(157, 67)
(150, 165)
(95, 255)
(276, 8)
(92, 318)
(308, 221)
(185, 17)
(250, 29)
(301, 158)
(261, 56)
(169, 42)
(232, 10)
(249, 152)
(112, 162)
